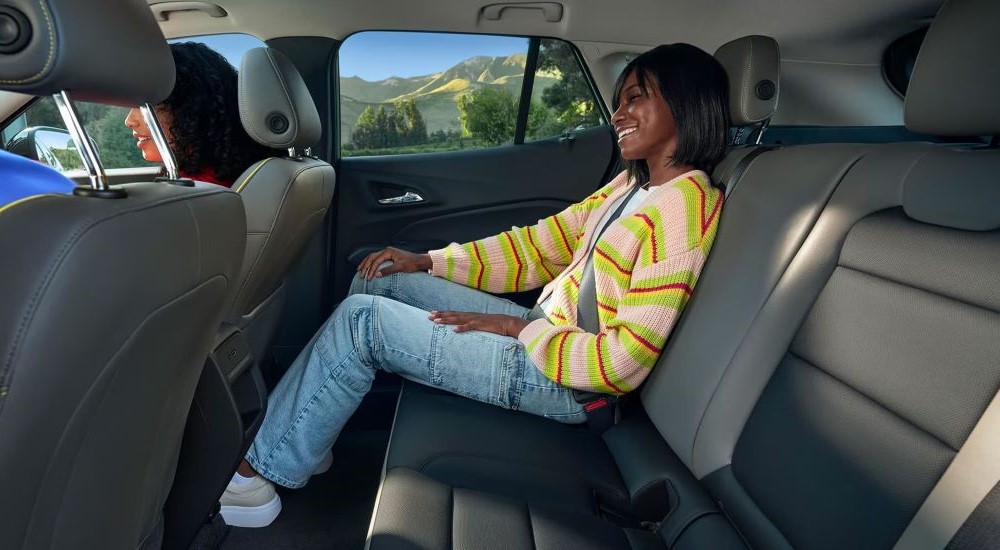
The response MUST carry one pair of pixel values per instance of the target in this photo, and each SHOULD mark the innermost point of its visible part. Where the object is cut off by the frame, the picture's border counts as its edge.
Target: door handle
(406, 198)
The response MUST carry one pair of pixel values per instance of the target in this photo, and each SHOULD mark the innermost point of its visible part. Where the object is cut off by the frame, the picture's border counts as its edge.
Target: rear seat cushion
(416, 511)
(468, 444)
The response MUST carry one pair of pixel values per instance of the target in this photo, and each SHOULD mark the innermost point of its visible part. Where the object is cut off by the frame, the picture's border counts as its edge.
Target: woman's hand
(504, 325)
(402, 262)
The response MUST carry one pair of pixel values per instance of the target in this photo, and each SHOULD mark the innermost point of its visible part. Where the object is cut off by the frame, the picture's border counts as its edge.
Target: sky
(231, 46)
(376, 55)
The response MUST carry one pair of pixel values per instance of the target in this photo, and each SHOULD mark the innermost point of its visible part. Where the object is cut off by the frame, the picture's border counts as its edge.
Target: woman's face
(643, 123)
(143, 139)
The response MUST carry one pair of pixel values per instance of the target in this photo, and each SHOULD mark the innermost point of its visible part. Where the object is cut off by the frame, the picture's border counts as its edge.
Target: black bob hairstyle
(205, 127)
(696, 88)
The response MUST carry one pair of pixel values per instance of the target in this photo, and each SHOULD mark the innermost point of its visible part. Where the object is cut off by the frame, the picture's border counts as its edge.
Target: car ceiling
(843, 31)
(831, 50)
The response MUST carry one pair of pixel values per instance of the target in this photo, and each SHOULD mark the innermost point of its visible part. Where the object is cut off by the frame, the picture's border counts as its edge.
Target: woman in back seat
(671, 118)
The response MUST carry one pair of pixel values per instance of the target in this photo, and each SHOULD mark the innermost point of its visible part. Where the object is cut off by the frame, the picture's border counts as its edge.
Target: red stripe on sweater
(672, 286)
(482, 269)
(559, 316)
(559, 362)
(652, 233)
(601, 369)
(705, 223)
(614, 263)
(517, 258)
(574, 281)
(607, 307)
(563, 235)
(541, 261)
(642, 340)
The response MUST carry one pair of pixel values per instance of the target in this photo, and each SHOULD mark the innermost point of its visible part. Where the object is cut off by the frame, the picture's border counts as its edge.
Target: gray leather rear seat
(839, 348)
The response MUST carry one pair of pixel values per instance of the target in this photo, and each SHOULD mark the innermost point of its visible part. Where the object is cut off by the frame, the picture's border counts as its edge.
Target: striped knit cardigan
(646, 265)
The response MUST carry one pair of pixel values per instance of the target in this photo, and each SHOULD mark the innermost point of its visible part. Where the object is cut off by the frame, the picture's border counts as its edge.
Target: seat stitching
(867, 397)
(438, 456)
(253, 268)
(84, 226)
(102, 374)
(291, 105)
(52, 50)
(933, 292)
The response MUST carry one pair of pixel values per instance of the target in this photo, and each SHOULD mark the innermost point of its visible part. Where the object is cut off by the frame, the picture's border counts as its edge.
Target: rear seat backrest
(885, 329)
(758, 234)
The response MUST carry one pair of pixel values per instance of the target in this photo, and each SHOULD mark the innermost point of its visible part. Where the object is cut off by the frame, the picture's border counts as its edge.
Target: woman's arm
(522, 258)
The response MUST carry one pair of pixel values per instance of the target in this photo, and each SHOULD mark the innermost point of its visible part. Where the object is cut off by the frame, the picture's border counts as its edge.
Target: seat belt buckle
(596, 404)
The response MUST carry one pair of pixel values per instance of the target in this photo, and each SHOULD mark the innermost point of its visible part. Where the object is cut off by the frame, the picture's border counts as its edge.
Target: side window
(412, 92)
(38, 132)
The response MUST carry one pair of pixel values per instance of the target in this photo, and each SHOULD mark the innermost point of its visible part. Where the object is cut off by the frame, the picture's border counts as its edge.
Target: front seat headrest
(753, 64)
(275, 106)
(106, 51)
(953, 90)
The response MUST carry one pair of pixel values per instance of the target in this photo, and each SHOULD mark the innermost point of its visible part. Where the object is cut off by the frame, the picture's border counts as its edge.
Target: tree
(570, 96)
(117, 146)
(488, 114)
(410, 123)
(385, 125)
(365, 130)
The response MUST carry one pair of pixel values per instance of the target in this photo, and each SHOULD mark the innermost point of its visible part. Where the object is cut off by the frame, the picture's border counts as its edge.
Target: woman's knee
(377, 286)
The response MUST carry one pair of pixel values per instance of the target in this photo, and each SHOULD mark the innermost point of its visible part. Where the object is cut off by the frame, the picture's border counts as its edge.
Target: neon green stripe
(10, 205)
(509, 258)
(247, 179)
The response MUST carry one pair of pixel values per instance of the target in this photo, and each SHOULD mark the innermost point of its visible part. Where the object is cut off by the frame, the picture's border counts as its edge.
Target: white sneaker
(324, 464)
(253, 504)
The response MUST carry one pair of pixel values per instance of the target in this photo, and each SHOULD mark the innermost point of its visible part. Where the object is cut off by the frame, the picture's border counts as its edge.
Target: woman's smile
(624, 133)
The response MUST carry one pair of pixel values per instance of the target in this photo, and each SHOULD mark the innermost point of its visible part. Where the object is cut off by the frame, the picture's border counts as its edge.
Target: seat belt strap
(586, 306)
(601, 409)
(969, 478)
(736, 175)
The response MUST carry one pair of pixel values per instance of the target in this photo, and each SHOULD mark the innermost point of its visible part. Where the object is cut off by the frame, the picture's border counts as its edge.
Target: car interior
(832, 383)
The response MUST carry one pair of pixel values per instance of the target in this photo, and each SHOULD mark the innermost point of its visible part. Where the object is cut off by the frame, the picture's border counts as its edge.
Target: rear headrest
(107, 51)
(753, 64)
(275, 105)
(953, 90)
(955, 188)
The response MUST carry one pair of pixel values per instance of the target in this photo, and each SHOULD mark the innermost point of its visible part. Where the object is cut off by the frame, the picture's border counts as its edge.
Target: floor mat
(334, 509)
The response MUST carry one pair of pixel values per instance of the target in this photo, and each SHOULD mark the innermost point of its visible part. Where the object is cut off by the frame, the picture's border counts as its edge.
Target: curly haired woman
(201, 119)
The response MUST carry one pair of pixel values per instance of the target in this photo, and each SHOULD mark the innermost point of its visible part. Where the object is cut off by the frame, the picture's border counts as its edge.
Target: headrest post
(291, 152)
(760, 131)
(92, 162)
(156, 132)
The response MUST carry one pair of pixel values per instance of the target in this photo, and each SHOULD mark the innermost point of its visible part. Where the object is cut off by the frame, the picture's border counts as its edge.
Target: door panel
(466, 195)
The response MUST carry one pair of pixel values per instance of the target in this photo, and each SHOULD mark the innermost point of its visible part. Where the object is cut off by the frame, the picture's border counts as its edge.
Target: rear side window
(409, 92)
(899, 59)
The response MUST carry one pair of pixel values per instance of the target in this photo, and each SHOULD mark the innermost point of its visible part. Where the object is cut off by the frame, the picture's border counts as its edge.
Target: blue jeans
(383, 325)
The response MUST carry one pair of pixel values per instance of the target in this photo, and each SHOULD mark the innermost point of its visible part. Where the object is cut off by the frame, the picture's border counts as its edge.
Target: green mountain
(436, 95)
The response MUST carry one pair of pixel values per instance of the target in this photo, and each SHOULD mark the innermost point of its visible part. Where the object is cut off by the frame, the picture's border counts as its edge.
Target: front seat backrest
(285, 197)
(108, 306)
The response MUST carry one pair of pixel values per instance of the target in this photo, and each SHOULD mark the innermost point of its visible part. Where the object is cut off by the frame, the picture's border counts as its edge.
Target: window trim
(527, 86)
